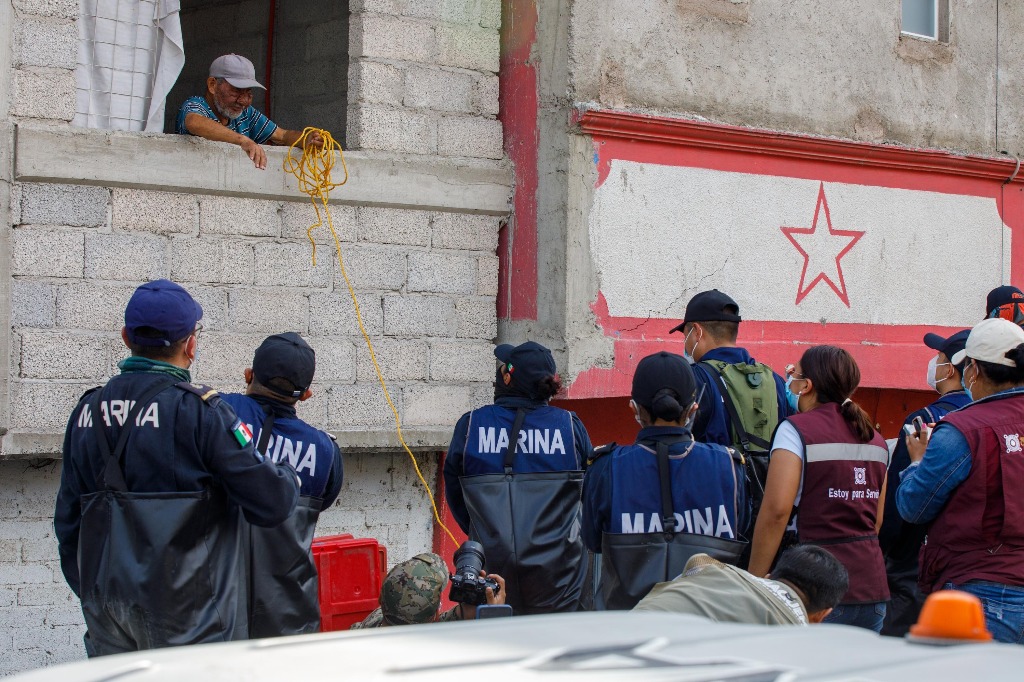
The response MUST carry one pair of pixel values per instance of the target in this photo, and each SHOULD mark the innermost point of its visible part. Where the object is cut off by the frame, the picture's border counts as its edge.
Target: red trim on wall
(610, 420)
(805, 156)
(518, 106)
(890, 356)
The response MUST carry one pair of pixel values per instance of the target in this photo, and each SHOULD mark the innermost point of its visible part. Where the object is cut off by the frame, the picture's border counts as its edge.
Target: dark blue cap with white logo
(529, 363)
(165, 309)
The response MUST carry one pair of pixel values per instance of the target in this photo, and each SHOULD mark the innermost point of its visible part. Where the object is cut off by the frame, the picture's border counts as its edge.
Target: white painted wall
(660, 234)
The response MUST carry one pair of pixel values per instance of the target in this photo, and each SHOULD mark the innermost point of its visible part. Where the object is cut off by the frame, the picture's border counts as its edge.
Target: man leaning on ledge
(225, 113)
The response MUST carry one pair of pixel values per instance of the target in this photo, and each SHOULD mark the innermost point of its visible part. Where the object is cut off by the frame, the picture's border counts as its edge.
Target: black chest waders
(633, 563)
(158, 569)
(283, 587)
(529, 525)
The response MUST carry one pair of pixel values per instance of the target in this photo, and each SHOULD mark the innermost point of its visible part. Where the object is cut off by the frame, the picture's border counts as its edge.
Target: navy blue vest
(310, 451)
(546, 441)
(707, 490)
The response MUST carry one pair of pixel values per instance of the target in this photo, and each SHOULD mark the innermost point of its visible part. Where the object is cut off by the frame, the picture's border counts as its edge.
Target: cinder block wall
(40, 618)
(426, 281)
(423, 77)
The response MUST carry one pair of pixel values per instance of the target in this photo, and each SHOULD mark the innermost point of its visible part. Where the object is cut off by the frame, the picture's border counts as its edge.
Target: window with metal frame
(925, 19)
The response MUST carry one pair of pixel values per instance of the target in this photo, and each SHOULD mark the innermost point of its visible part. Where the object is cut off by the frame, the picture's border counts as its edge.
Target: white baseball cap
(236, 70)
(990, 340)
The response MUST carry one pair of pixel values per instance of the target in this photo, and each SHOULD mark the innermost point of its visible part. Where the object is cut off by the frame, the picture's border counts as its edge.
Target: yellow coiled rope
(313, 172)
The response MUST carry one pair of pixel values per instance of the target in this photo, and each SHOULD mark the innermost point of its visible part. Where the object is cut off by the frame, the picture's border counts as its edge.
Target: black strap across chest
(513, 440)
(113, 476)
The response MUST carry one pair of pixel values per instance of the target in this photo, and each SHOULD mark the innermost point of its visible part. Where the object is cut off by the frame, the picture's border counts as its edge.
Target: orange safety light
(950, 615)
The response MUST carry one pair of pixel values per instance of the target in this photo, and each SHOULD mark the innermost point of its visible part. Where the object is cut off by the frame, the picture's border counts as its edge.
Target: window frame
(940, 23)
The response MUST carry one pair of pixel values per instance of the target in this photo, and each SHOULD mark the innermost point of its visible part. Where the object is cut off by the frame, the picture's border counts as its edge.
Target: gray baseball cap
(236, 70)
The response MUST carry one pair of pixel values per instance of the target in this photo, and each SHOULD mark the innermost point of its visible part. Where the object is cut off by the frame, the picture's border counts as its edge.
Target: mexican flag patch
(242, 433)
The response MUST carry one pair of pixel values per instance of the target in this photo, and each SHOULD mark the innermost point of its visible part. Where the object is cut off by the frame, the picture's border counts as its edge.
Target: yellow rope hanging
(313, 172)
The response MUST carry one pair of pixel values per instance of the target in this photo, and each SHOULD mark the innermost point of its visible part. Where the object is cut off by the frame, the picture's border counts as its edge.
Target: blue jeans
(867, 616)
(1003, 605)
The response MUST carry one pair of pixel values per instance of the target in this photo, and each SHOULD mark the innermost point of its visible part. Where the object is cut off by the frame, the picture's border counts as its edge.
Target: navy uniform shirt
(313, 454)
(181, 443)
(544, 455)
(622, 490)
(712, 422)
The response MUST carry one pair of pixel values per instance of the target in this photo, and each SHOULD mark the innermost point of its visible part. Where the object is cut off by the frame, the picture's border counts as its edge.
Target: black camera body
(468, 586)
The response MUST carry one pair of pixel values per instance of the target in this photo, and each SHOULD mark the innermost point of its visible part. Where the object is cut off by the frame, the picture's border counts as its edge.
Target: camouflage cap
(412, 591)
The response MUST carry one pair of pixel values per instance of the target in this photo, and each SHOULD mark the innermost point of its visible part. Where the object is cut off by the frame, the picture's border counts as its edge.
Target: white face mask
(687, 354)
(636, 412)
(933, 378)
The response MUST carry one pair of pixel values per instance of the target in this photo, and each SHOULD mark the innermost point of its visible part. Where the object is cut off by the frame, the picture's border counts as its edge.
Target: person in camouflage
(412, 594)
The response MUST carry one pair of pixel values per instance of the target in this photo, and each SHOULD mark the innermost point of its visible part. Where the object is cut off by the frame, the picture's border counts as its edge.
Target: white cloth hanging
(130, 53)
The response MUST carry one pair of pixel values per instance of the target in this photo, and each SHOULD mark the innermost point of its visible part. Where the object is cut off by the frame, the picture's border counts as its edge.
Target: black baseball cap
(163, 307)
(529, 363)
(947, 346)
(1001, 296)
(285, 356)
(709, 306)
(663, 370)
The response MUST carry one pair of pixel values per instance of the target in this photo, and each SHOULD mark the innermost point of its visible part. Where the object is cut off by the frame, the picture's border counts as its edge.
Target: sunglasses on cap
(1012, 312)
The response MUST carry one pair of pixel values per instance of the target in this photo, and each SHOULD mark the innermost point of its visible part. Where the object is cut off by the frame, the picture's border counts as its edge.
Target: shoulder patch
(205, 393)
(89, 393)
(601, 451)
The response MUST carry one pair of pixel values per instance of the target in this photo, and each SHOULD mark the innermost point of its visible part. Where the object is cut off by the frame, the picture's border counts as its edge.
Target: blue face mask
(967, 389)
(792, 398)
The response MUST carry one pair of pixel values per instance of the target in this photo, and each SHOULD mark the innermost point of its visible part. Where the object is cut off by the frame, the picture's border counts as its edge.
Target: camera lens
(469, 559)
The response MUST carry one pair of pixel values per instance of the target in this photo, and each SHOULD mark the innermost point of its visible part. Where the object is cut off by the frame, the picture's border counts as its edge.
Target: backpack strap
(513, 440)
(668, 517)
(113, 477)
(744, 438)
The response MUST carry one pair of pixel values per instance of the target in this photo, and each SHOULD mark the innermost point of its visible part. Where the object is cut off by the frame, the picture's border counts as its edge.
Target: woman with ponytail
(966, 478)
(826, 482)
(648, 507)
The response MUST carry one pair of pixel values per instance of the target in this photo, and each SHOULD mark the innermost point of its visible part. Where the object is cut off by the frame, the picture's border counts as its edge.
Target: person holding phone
(965, 480)
(901, 541)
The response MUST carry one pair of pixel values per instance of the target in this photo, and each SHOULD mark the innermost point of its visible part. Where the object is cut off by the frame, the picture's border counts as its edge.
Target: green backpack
(748, 392)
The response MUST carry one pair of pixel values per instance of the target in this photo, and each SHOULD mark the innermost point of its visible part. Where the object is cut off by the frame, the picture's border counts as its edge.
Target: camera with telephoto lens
(468, 586)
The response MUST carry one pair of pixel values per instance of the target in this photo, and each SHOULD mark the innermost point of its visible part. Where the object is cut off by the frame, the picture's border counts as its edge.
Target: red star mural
(825, 249)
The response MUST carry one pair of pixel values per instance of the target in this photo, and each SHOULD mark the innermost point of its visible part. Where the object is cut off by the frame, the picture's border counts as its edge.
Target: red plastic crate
(351, 572)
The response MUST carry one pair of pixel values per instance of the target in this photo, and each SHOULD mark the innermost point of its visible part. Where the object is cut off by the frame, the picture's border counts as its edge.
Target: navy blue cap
(529, 363)
(164, 308)
(285, 357)
(709, 306)
(663, 370)
(948, 346)
(1001, 296)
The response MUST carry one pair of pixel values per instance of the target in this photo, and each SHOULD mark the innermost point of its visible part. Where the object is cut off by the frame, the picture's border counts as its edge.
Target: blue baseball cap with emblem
(165, 310)
(529, 363)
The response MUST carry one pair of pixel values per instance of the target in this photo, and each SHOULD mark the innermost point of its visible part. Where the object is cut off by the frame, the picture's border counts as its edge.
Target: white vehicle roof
(583, 646)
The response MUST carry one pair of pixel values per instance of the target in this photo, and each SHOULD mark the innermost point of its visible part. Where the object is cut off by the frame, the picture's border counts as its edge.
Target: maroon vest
(979, 534)
(842, 483)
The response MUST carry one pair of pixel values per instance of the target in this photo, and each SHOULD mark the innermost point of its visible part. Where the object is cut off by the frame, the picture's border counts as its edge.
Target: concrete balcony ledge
(178, 163)
(23, 445)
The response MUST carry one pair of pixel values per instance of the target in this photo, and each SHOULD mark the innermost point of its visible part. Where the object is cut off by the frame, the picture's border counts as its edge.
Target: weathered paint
(682, 206)
(518, 107)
